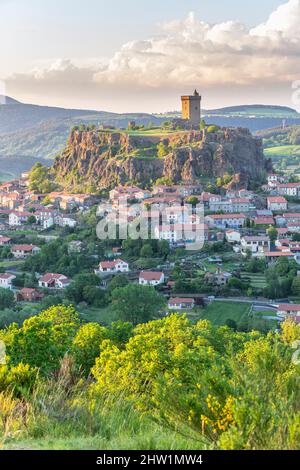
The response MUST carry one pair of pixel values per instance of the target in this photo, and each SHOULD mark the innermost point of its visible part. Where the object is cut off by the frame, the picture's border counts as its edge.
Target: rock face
(105, 159)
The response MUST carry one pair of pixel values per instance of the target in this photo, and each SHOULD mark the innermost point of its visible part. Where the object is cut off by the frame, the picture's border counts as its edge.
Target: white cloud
(188, 53)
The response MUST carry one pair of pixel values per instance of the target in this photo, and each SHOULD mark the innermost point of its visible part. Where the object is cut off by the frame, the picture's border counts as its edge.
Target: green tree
(146, 251)
(86, 345)
(162, 150)
(136, 304)
(7, 299)
(272, 233)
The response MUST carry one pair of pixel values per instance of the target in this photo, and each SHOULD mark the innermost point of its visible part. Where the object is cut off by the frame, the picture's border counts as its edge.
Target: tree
(39, 179)
(31, 220)
(162, 150)
(296, 286)
(7, 299)
(202, 125)
(231, 324)
(136, 304)
(146, 251)
(272, 233)
(44, 339)
(86, 345)
(118, 281)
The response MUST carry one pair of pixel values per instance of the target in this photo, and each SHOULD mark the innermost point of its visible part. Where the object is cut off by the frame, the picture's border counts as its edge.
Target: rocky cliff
(104, 159)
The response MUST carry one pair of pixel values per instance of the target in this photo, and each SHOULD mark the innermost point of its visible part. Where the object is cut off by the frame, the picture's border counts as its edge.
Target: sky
(140, 56)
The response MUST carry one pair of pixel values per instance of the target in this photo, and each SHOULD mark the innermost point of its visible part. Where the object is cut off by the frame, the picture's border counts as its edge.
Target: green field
(257, 280)
(282, 151)
(219, 311)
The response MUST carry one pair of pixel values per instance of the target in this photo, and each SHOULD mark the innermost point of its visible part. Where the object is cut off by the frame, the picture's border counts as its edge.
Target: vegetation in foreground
(165, 384)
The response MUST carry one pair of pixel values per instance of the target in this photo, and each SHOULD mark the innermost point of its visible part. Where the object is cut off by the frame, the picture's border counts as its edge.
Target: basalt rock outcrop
(104, 159)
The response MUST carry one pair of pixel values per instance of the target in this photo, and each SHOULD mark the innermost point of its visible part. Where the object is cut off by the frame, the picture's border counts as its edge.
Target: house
(4, 240)
(54, 281)
(274, 179)
(277, 203)
(21, 251)
(151, 278)
(226, 220)
(218, 278)
(186, 232)
(16, 218)
(264, 221)
(180, 303)
(209, 198)
(275, 255)
(65, 221)
(29, 295)
(256, 245)
(233, 236)
(6, 280)
(288, 310)
(116, 266)
(231, 206)
(289, 189)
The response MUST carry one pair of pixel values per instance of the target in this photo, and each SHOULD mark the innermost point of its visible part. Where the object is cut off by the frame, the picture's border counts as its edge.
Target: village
(246, 236)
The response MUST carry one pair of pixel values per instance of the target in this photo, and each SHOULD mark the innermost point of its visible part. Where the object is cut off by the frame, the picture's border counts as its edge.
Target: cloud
(188, 53)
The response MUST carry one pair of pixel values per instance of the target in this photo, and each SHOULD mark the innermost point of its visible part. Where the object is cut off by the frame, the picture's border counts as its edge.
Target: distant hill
(30, 132)
(254, 110)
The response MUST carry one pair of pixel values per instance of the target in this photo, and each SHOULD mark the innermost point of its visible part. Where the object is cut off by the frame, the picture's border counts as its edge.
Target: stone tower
(191, 108)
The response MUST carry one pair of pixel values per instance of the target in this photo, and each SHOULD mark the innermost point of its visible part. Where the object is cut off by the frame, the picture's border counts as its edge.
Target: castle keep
(191, 109)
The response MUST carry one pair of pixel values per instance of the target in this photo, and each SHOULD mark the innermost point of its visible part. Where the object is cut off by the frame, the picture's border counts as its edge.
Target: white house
(277, 203)
(151, 278)
(287, 310)
(116, 266)
(54, 281)
(256, 245)
(18, 218)
(6, 280)
(289, 189)
(233, 236)
(65, 221)
(179, 303)
(226, 220)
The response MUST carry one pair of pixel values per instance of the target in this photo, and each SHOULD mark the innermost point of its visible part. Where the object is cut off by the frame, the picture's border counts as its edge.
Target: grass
(11, 264)
(97, 315)
(282, 151)
(219, 311)
(257, 280)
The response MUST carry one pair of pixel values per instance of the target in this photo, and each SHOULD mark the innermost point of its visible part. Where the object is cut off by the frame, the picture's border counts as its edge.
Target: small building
(54, 281)
(288, 310)
(6, 280)
(277, 203)
(218, 278)
(18, 218)
(4, 241)
(233, 236)
(28, 294)
(151, 278)
(180, 303)
(256, 245)
(226, 220)
(22, 251)
(116, 266)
